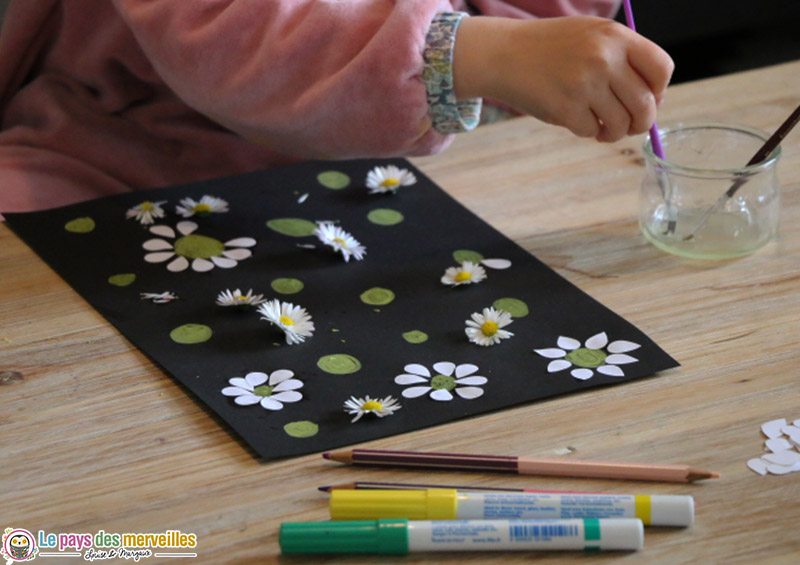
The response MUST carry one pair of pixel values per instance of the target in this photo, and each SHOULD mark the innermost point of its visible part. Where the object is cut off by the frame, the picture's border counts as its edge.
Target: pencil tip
(326, 455)
(699, 475)
(324, 489)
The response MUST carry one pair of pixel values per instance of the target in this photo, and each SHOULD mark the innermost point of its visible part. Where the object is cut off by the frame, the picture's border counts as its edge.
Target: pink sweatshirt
(100, 97)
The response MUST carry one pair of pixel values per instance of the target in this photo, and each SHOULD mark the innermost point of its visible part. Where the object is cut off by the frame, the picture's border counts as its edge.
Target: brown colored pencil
(521, 465)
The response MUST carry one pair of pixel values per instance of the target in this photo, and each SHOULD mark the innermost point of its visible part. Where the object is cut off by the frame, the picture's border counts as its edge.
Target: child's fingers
(653, 65)
(635, 95)
(583, 122)
(613, 115)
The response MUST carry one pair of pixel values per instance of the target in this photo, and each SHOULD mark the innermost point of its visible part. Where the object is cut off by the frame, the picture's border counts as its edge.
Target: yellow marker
(449, 504)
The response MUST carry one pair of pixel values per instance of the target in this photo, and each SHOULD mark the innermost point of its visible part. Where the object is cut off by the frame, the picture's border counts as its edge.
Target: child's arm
(591, 75)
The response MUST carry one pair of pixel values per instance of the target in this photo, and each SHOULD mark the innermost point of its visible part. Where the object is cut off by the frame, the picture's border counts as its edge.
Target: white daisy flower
(486, 328)
(205, 252)
(293, 320)
(271, 392)
(380, 407)
(340, 240)
(237, 298)
(596, 354)
(159, 297)
(146, 212)
(449, 378)
(467, 273)
(207, 204)
(389, 179)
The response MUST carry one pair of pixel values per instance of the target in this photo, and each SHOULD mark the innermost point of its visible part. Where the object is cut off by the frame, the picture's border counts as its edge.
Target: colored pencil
(368, 485)
(521, 465)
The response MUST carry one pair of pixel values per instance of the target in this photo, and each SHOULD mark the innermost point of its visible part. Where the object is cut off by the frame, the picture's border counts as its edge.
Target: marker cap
(671, 510)
(431, 504)
(366, 536)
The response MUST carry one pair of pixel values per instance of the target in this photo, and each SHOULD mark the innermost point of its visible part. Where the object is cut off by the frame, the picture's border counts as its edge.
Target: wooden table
(95, 437)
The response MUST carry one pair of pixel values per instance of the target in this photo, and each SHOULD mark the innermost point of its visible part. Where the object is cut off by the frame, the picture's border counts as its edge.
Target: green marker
(398, 536)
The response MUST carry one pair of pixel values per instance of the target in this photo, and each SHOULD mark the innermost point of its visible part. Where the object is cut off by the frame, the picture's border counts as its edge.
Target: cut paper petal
(597, 341)
(610, 370)
(498, 264)
(254, 379)
(164, 231)
(291, 384)
(235, 390)
(224, 262)
(795, 439)
(772, 429)
(417, 369)
(287, 396)
(247, 400)
(582, 374)
(790, 430)
(474, 380)
(185, 228)
(156, 245)
(469, 392)
(241, 242)
(787, 458)
(159, 257)
(796, 423)
(551, 353)
(202, 265)
(568, 343)
(178, 265)
(409, 379)
(620, 359)
(271, 404)
(444, 367)
(416, 391)
(465, 369)
(622, 346)
(237, 254)
(442, 395)
(758, 466)
(778, 444)
(558, 365)
(778, 469)
(279, 376)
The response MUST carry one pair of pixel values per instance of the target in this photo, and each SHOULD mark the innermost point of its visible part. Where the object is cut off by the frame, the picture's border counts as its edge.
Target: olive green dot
(333, 179)
(377, 296)
(415, 336)
(301, 429)
(513, 306)
(122, 279)
(462, 255)
(196, 246)
(295, 227)
(80, 225)
(339, 364)
(191, 333)
(287, 286)
(385, 217)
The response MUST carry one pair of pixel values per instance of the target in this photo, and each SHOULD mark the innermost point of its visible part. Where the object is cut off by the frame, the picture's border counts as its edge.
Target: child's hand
(591, 75)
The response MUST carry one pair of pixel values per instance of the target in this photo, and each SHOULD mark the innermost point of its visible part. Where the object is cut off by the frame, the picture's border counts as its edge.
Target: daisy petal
(569, 343)
(551, 353)
(247, 400)
(164, 231)
(201, 265)
(178, 265)
(156, 245)
(445, 368)
(622, 346)
(620, 359)
(237, 254)
(611, 370)
(241, 383)
(416, 391)
(159, 257)
(474, 380)
(417, 369)
(186, 227)
(441, 395)
(234, 391)
(279, 376)
(288, 396)
(582, 374)
(271, 404)
(558, 365)
(597, 341)
(241, 242)
(255, 378)
(224, 262)
(409, 379)
(465, 369)
(469, 392)
(291, 384)
(497, 263)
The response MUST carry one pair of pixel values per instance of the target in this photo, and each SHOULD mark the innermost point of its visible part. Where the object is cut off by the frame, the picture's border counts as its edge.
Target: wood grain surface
(93, 436)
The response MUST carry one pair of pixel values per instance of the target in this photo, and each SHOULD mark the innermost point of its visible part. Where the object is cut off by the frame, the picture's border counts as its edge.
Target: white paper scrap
(778, 444)
(787, 458)
(772, 429)
(758, 466)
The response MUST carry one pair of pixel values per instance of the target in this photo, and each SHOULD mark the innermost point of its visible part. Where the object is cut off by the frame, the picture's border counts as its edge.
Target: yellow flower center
(372, 405)
(147, 206)
(240, 298)
(489, 328)
(200, 208)
(390, 183)
(286, 321)
(463, 276)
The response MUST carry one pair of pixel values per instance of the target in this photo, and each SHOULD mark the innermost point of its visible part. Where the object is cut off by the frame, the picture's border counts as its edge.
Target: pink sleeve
(311, 78)
(544, 8)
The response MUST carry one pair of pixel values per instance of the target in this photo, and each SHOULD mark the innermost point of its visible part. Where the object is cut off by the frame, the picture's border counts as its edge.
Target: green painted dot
(443, 382)
(80, 225)
(287, 286)
(385, 217)
(462, 255)
(339, 364)
(302, 428)
(295, 227)
(333, 179)
(122, 279)
(415, 336)
(199, 247)
(584, 357)
(513, 306)
(191, 333)
(377, 296)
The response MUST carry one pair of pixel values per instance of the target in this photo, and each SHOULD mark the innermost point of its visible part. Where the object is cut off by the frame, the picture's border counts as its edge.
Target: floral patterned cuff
(448, 114)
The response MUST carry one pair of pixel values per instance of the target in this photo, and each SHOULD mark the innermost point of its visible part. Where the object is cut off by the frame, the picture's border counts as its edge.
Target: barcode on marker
(529, 532)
